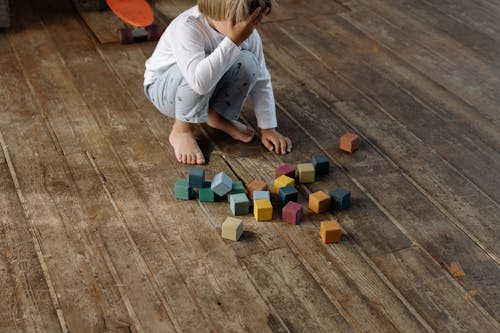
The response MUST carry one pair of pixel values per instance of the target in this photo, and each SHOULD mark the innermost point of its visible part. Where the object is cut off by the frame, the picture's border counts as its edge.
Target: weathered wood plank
(482, 45)
(398, 58)
(459, 71)
(423, 282)
(55, 92)
(468, 12)
(376, 165)
(26, 304)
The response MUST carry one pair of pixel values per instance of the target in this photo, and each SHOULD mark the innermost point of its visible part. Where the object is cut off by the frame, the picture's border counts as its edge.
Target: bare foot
(234, 128)
(185, 146)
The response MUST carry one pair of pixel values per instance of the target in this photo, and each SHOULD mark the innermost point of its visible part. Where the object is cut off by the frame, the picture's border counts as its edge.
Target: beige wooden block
(232, 228)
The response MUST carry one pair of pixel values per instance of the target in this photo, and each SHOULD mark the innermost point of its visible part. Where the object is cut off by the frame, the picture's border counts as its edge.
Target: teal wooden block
(239, 203)
(196, 177)
(222, 184)
(288, 193)
(237, 187)
(340, 199)
(182, 190)
(205, 193)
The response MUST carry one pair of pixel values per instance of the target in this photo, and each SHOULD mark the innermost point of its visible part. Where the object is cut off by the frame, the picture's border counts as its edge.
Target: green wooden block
(237, 187)
(205, 193)
(182, 190)
(239, 203)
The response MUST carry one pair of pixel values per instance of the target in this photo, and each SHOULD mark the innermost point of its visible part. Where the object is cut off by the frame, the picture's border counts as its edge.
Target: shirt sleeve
(262, 96)
(201, 71)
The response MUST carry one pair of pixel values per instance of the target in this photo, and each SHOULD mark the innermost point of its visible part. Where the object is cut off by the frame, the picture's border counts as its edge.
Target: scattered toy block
(319, 202)
(288, 193)
(196, 177)
(321, 164)
(330, 231)
(286, 170)
(340, 199)
(232, 228)
(237, 187)
(182, 190)
(263, 210)
(239, 203)
(292, 213)
(283, 181)
(256, 185)
(261, 195)
(221, 184)
(205, 192)
(306, 173)
(349, 142)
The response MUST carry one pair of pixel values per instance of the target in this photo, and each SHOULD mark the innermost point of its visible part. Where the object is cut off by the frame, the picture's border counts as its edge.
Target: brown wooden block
(319, 202)
(330, 231)
(256, 185)
(349, 142)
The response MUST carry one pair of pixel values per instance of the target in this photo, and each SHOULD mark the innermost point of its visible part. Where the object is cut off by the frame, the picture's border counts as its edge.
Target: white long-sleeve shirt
(204, 56)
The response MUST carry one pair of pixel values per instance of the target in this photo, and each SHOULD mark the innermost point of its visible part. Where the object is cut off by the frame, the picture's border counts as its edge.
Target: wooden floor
(92, 240)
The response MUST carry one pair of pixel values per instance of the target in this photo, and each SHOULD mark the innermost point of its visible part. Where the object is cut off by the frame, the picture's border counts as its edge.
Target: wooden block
(349, 142)
(319, 202)
(237, 187)
(261, 195)
(306, 173)
(205, 193)
(321, 164)
(196, 177)
(182, 190)
(263, 210)
(221, 184)
(288, 193)
(286, 170)
(292, 213)
(283, 181)
(239, 203)
(340, 199)
(232, 228)
(256, 185)
(330, 231)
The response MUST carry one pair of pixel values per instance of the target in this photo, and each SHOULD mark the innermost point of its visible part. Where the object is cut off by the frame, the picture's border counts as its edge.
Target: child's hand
(274, 141)
(238, 33)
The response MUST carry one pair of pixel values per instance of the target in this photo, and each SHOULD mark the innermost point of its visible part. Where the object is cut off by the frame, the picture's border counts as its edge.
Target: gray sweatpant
(173, 97)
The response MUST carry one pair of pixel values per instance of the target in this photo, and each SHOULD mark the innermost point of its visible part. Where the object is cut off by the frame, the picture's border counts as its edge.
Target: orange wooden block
(256, 185)
(319, 202)
(330, 231)
(349, 142)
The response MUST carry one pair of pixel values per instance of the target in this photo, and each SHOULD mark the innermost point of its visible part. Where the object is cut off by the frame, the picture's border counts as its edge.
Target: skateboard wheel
(125, 36)
(102, 5)
(153, 33)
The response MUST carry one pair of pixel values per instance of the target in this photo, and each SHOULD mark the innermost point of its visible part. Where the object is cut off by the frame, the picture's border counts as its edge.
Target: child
(206, 63)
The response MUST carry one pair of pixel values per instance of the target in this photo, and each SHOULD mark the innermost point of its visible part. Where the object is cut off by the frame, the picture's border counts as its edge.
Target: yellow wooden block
(330, 231)
(263, 210)
(283, 181)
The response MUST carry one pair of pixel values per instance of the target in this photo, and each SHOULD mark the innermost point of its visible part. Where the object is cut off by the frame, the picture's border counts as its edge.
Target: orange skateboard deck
(137, 14)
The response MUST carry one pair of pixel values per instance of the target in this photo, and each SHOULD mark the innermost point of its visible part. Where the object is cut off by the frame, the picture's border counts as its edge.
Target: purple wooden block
(292, 213)
(286, 170)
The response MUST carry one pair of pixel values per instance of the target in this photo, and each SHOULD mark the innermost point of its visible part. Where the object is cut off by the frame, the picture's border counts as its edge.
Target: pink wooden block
(292, 213)
(286, 170)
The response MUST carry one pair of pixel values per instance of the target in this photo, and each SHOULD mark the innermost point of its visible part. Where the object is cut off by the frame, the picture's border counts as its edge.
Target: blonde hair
(239, 10)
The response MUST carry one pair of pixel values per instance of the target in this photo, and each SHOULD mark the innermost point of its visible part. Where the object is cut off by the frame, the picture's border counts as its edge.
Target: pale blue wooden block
(222, 184)
(261, 195)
